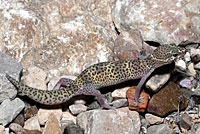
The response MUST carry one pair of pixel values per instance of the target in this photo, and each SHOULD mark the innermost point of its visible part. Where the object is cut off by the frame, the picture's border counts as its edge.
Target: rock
(152, 119)
(68, 116)
(56, 38)
(141, 107)
(36, 78)
(17, 128)
(194, 51)
(52, 125)
(2, 129)
(187, 83)
(30, 112)
(166, 100)
(191, 68)
(9, 110)
(160, 24)
(186, 121)
(43, 114)
(32, 124)
(77, 108)
(19, 120)
(117, 121)
(157, 81)
(195, 129)
(197, 66)
(160, 129)
(128, 45)
(120, 103)
(181, 64)
(187, 57)
(120, 93)
(71, 128)
(13, 68)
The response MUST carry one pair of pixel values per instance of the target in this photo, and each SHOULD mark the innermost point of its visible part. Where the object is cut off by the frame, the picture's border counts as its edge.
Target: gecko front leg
(139, 86)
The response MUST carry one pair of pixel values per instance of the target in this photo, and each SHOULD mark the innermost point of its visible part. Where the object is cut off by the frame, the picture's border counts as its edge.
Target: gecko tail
(19, 86)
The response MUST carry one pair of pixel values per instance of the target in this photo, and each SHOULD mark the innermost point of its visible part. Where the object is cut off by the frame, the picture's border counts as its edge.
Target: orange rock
(131, 99)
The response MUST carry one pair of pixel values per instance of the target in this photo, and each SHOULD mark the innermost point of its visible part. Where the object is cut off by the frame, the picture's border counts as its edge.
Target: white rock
(68, 116)
(197, 66)
(119, 121)
(77, 108)
(43, 114)
(194, 51)
(191, 68)
(187, 57)
(36, 78)
(181, 64)
(157, 81)
(32, 124)
(120, 93)
(152, 119)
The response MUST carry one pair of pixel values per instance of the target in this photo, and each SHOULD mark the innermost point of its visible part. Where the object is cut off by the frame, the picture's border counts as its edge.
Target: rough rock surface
(9, 110)
(163, 22)
(61, 37)
(12, 67)
(32, 124)
(159, 129)
(109, 121)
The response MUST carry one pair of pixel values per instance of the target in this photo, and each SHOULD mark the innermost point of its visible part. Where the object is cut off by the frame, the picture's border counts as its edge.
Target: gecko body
(101, 75)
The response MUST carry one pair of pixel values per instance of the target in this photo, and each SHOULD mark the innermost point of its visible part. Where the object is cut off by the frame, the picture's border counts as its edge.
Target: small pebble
(181, 64)
(187, 57)
(191, 68)
(77, 108)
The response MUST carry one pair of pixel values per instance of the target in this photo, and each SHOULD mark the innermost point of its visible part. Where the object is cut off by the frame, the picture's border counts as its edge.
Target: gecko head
(167, 53)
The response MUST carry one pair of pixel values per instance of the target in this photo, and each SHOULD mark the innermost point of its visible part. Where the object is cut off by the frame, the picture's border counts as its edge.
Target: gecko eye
(175, 55)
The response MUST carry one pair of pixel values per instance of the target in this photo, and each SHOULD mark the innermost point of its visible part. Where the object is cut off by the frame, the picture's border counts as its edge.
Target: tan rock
(2, 129)
(68, 116)
(32, 124)
(152, 119)
(52, 126)
(77, 108)
(191, 68)
(120, 93)
(43, 114)
(157, 81)
(36, 78)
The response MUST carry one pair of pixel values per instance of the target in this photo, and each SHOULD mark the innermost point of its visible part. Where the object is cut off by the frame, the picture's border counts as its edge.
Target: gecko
(101, 75)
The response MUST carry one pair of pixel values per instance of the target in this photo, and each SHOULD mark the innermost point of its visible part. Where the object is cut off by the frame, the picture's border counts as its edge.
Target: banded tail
(53, 97)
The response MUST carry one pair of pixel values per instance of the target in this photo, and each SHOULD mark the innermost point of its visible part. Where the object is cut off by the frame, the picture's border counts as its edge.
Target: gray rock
(68, 127)
(119, 121)
(186, 121)
(9, 110)
(13, 68)
(159, 129)
(120, 103)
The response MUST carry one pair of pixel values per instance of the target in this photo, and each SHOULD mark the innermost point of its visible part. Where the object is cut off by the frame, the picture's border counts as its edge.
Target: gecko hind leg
(63, 82)
(90, 89)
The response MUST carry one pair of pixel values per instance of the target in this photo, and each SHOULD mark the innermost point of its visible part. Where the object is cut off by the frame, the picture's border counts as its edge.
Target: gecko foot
(139, 100)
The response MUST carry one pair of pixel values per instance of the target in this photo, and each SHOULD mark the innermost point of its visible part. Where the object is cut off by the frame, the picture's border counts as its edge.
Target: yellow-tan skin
(101, 75)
